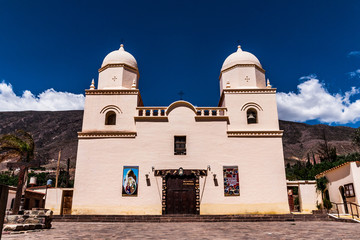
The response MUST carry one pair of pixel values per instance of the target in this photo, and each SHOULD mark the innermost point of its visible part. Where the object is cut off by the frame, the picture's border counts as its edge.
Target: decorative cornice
(149, 108)
(255, 133)
(212, 118)
(151, 119)
(251, 91)
(112, 92)
(118, 65)
(174, 172)
(106, 134)
(246, 91)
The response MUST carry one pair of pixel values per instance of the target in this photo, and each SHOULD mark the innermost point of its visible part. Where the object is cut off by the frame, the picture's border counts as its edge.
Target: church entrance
(180, 190)
(181, 194)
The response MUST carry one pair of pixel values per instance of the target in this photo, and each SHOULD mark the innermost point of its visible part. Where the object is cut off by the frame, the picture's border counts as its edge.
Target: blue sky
(181, 45)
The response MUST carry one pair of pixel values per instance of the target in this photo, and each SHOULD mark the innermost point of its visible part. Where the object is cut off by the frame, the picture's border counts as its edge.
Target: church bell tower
(110, 108)
(250, 101)
(119, 70)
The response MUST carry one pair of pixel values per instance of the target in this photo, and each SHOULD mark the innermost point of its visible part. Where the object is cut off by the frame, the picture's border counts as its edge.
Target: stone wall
(30, 220)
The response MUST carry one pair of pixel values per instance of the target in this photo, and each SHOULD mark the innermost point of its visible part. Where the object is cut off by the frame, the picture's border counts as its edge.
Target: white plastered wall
(267, 115)
(355, 169)
(339, 177)
(53, 200)
(309, 197)
(244, 77)
(98, 182)
(94, 120)
(117, 78)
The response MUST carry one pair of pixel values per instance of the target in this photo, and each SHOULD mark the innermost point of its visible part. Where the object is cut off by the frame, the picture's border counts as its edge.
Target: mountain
(55, 131)
(52, 132)
(301, 140)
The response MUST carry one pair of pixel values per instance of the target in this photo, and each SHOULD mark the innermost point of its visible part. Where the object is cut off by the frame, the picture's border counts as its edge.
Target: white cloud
(354, 54)
(314, 102)
(49, 100)
(311, 102)
(354, 74)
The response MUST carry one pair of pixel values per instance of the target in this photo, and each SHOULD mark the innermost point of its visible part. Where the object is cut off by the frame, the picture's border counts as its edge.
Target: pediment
(180, 104)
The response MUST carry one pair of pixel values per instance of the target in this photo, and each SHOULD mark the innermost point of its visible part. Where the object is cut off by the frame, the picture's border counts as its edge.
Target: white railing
(151, 111)
(200, 111)
(211, 111)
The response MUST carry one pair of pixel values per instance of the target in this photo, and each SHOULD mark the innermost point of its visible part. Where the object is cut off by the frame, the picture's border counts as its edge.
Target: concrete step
(192, 218)
(345, 218)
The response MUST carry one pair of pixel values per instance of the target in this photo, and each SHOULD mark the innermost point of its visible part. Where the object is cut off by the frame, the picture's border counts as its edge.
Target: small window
(349, 190)
(110, 118)
(251, 116)
(180, 145)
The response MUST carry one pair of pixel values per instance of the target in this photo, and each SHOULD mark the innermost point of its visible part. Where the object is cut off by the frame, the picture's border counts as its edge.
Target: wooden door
(291, 199)
(66, 202)
(181, 195)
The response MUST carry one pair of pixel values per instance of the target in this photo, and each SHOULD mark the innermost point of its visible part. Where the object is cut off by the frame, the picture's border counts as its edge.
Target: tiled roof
(322, 174)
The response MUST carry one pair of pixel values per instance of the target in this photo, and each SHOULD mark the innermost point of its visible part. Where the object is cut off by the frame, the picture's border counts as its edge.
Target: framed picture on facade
(130, 181)
(231, 181)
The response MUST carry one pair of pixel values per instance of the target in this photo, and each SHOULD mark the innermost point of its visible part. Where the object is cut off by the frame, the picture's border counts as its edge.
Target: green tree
(326, 152)
(321, 185)
(18, 147)
(7, 179)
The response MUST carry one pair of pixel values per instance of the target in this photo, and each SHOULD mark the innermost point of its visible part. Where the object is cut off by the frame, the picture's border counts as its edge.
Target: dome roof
(120, 57)
(240, 57)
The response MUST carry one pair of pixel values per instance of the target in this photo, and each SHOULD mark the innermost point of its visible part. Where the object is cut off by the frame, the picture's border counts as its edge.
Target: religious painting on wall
(231, 181)
(130, 181)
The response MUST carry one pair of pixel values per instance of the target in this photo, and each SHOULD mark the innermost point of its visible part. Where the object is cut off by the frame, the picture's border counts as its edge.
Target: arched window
(251, 116)
(110, 118)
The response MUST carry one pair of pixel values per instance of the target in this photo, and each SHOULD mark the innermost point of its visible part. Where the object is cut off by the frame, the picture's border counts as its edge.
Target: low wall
(32, 219)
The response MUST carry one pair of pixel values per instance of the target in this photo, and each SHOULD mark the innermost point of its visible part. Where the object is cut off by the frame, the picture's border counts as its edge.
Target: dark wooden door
(181, 195)
(342, 192)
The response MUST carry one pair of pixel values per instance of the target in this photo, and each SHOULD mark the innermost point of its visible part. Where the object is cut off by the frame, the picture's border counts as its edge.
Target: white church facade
(180, 159)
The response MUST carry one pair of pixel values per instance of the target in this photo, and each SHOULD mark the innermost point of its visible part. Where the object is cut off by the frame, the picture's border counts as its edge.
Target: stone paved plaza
(198, 230)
